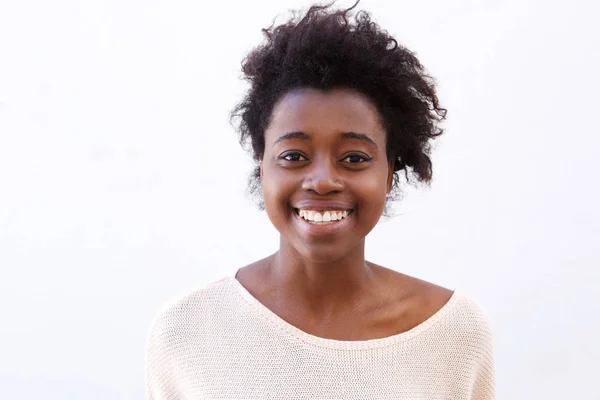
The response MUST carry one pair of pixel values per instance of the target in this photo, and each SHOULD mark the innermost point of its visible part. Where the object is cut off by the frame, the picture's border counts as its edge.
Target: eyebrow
(345, 135)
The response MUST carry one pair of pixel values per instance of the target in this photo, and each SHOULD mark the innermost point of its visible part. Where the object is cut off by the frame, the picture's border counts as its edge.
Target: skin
(319, 281)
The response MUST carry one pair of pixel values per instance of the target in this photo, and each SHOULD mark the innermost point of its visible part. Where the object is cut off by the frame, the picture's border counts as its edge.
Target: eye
(293, 156)
(356, 158)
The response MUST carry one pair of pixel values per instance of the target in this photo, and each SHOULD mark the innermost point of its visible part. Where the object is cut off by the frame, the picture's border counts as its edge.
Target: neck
(324, 286)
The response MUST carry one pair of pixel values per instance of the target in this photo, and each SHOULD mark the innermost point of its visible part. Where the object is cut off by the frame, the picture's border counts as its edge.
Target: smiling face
(324, 172)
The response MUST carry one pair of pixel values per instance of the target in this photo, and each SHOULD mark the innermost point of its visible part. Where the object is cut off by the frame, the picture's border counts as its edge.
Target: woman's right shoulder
(188, 307)
(177, 327)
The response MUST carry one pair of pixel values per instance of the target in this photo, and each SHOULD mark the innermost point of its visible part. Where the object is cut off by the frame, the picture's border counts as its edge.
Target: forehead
(317, 112)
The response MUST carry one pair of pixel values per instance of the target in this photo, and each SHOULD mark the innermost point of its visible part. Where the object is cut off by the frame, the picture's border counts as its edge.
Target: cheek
(375, 183)
(276, 190)
(372, 191)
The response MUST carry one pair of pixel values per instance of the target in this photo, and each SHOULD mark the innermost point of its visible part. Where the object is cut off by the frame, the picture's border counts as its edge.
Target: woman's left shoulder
(459, 309)
(465, 316)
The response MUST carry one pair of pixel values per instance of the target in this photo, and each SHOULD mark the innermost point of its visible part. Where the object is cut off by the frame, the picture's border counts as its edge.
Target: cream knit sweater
(219, 342)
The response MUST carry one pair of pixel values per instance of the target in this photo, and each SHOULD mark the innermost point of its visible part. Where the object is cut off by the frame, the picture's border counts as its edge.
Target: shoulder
(184, 311)
(426, 302)
(178, 324)
(458, 323)
(465, 326)
(472, 320)
(464, 316)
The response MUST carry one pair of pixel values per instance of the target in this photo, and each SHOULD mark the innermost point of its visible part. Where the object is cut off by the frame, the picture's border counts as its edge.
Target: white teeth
(324, 217)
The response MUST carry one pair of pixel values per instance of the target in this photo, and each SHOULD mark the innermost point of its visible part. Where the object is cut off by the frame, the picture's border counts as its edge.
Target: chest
(372, 320)
(269, 368)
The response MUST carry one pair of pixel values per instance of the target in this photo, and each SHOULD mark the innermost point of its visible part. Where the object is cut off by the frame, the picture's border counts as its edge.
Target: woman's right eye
(293, 156)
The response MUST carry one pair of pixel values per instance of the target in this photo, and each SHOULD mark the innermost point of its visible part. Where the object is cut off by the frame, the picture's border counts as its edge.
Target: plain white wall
(122, 182)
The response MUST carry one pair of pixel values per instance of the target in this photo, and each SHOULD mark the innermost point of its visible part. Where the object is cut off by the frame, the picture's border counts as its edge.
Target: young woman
(336, 110)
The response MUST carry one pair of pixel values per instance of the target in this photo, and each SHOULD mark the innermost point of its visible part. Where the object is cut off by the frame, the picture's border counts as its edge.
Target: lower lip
(322, 229)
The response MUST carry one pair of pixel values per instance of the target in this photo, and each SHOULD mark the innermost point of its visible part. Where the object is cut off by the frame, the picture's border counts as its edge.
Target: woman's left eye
(356, 158)
(293, 156)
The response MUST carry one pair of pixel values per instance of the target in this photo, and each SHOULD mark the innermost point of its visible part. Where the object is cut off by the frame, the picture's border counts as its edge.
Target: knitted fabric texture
(219, 342)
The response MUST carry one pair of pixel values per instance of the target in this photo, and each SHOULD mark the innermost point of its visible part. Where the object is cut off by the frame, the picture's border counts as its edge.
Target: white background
(122, 182)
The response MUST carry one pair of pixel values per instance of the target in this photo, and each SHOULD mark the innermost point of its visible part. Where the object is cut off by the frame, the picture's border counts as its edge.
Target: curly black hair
(325, 49)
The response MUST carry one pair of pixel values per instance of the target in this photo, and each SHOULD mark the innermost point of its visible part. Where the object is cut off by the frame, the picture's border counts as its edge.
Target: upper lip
(323, 205)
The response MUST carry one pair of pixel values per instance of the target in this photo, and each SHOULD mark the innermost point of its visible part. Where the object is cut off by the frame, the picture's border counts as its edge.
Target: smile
(322, 217)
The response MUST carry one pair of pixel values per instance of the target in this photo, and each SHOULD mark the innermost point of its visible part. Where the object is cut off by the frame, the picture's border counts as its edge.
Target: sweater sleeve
(484, 385)
(159, 368)
(155, 356)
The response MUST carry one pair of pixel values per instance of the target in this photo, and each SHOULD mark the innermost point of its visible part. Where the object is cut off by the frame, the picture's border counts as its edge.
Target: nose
(323, 178)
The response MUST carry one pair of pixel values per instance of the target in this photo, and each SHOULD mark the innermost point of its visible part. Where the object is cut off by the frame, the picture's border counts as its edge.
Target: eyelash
(363, 157)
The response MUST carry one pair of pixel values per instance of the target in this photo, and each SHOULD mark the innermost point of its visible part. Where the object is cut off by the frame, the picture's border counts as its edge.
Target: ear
(260, 167)
(390, 178)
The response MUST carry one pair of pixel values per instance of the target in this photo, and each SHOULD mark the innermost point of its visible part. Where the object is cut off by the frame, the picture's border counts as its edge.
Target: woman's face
(324, 172)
